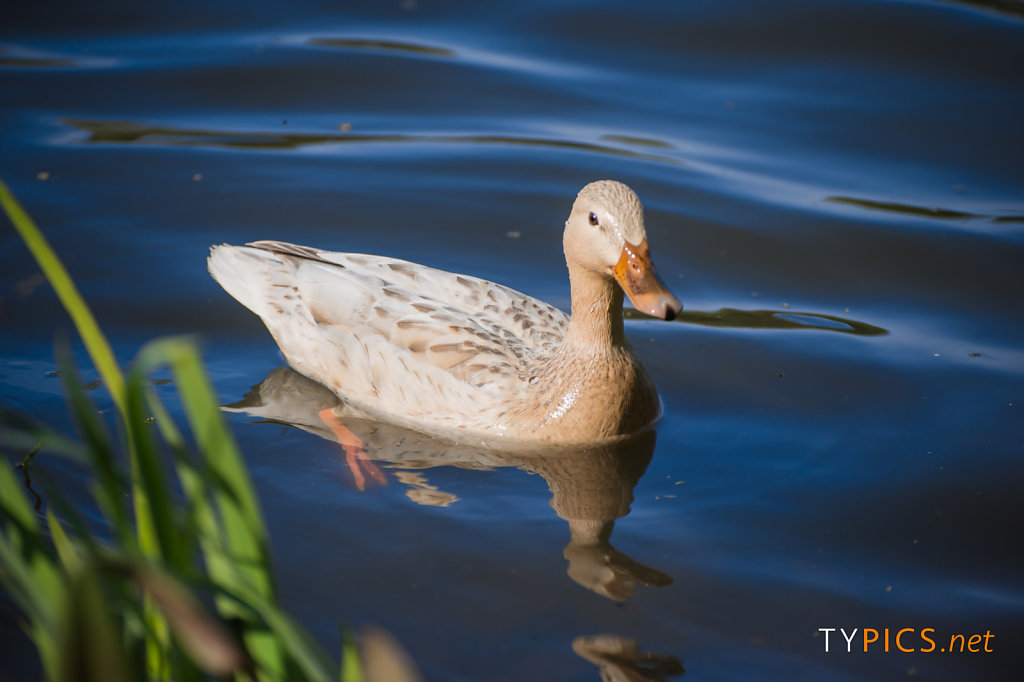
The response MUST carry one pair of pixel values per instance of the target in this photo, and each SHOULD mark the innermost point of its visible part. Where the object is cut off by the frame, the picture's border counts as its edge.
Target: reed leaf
(152, 485)
(351, 669)
(30, 574)
(92, 647)
(232, 533)
(110, 483)
(204, 638)
(87, 620)
(66, 551)
(103, 359)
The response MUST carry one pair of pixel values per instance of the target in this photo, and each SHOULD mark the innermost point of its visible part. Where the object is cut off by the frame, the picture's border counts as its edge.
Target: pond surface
(835, 190)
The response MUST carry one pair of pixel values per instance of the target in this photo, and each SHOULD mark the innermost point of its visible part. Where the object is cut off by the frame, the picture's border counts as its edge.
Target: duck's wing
(391, 337)
(499, 309)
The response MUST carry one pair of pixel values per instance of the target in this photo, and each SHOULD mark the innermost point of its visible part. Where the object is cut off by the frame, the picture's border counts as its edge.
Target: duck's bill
(635, 274)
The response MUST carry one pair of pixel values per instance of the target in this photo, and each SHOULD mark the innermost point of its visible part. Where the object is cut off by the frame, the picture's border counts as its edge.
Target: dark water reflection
(833, 189)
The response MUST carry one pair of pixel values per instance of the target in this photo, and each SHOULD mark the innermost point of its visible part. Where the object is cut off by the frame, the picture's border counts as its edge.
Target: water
(834, 190)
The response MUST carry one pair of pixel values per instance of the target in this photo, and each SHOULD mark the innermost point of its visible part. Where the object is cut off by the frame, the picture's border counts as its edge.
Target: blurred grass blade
(87, 620)
(92, 648)
(158, 534)
(237, 504)
(110, 483)
(66, 551)
(203, 637)
(351, 668)
(307, 655)
(232, 531)
(95, 342)
(30, 576)
(24, 538)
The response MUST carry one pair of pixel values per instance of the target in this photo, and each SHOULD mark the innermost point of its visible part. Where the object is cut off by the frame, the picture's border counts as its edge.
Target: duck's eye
(593, 219)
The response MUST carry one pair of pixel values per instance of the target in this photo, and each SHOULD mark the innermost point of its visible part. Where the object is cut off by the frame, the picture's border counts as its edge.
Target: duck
(459, 357)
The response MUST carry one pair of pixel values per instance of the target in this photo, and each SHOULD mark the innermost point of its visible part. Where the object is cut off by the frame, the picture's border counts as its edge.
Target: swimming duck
(461, 357)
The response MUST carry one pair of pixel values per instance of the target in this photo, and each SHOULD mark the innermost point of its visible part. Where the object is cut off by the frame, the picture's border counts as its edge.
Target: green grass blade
(160, 536)
(199, 519)
(205, 639)
(232, 488)
(232, 533)
(159, 531)
(110, 483)
(95, 342)
(66, 551)
(306, 654)
(24, 535)
(109, 632)
(30, 574)
(106, 364)
(92, 647)
(351, 668)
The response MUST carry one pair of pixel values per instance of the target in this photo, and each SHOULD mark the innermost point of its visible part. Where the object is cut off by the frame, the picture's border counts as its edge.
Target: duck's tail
(256, 278)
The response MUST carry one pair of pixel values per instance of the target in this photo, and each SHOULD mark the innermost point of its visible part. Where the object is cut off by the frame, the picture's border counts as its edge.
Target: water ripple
(770, 319)
(400, 47)
(922, 211)
(18, 57)
(129, 132)
(1014, 8)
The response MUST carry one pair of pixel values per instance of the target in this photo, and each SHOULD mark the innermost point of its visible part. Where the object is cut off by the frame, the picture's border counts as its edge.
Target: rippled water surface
(834, 189)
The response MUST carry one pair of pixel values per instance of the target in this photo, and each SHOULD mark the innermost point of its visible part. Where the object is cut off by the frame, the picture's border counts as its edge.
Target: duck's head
(605, 234)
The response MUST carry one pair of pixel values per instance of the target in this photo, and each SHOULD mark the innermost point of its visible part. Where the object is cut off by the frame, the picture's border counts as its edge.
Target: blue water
(835, 190)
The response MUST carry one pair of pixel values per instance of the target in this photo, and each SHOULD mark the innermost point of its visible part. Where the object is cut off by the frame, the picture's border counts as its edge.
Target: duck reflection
(620, 659)
(591, 486)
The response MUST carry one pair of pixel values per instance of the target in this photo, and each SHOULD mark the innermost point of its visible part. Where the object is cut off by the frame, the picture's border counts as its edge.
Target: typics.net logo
(906, 640)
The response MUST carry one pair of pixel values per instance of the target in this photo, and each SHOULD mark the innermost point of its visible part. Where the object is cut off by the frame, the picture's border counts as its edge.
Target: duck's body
(455, 355)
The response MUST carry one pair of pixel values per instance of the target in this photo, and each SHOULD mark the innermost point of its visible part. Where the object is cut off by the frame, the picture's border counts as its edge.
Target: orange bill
(635, 274)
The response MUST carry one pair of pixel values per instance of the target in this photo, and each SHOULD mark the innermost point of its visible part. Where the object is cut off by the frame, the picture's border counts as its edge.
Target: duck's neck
(596, 320)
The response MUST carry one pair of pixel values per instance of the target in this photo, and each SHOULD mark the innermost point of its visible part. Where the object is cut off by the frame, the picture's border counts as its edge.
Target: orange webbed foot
(358, 461)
